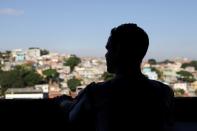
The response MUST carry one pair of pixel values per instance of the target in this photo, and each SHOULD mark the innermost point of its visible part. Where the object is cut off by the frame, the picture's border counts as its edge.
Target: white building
(18, 55)
(180, 86)
(190, 69)
(44, 87)
(24, 93)
(65, 91)
(33, 54)
(151, 74)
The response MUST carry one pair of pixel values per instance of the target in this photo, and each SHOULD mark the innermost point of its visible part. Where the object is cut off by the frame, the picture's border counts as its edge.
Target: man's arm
(81, 112)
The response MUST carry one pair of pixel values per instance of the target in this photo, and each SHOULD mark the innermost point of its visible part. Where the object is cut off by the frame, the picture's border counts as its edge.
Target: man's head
(126, 47)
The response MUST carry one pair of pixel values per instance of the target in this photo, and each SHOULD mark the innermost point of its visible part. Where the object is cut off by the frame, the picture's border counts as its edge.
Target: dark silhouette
(130, 101)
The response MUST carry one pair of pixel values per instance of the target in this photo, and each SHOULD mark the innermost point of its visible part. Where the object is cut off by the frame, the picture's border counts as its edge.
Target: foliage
(44, 52)
(179, 92)
(19, 77)
(166, 62)
(107, 76)
(72, 62)
(73, 83)
(152, 61)
(159, 73)
(51, 74)
(5, 55)
(186, 76)
(192, 64)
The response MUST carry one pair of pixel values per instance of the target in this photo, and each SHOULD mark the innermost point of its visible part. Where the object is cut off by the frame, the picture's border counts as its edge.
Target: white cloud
(11, 11)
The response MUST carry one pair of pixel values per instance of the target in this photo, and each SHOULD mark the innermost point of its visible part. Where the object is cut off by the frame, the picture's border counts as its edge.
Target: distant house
(190, 69)
(33, 54)
(18, 55)
(150, 74)
(65, 91)
(45, 89)
(181, 86)
(194, 85)
(169, 75)
(24, 93)
(54, 90)
(7, 66)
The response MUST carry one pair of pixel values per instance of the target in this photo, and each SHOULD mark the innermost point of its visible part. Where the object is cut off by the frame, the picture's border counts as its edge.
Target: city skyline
(83, 28)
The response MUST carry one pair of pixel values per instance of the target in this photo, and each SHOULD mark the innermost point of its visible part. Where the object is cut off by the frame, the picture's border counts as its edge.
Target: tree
(32, 78)
(19, 77)
(152, 61)
(192, 63)
(51, 75)
(72, 62)
(166, 62)
(1, 54)
(6, 55)
(73, 83)
(186, 76)
(44, 52)
(107, 76)
(179, 92)
(159, 73)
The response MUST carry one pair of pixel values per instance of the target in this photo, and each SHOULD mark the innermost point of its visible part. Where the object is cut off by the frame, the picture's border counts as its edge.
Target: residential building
(33, 54)
(24, 93)
(45, 89)
(194, 85)
(169, 75)
(18, 55)
(54, 90)
(150, 74)
(183, 86)
(190, 69)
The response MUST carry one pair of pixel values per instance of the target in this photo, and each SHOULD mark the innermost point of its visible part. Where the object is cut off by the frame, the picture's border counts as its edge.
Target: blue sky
(83, 26)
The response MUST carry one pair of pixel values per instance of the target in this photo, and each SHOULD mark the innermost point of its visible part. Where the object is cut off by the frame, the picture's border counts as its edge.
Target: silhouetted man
(130, 101)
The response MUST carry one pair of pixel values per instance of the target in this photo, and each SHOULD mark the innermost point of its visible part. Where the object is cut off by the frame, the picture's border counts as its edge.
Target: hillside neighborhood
(38, 74)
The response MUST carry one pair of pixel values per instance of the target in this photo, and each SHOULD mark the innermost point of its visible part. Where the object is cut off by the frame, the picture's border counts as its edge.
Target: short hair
(130, 40)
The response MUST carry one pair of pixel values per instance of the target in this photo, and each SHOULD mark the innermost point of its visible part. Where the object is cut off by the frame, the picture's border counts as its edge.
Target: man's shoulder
(98, 86)
(94, 87)
(163, 89)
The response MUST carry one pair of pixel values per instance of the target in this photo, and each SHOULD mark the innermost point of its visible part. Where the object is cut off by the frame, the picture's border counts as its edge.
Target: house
(150, 74)
(54, 90)
(190, 69)
(33, 53)
(18, 55)
(194, 85)
(183, 86)
(45, 89)
(24, 93)
(169, 75)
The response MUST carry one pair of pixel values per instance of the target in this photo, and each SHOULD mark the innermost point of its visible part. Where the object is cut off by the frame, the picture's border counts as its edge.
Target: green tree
(159, 73)
(186, 76)
(19, 77)
(73, 83)
(107, 76)
(32, 78)
(179, 92)
(51, 75)
(166, 62)
(72, 62)
(192, 64)
(44, 52)
(152, 61)
(1, 54)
